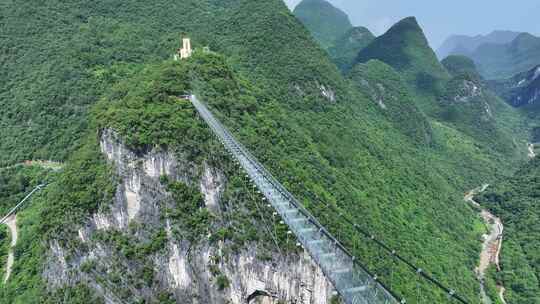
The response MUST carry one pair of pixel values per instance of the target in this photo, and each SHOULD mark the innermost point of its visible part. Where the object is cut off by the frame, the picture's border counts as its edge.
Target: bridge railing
(19, 205)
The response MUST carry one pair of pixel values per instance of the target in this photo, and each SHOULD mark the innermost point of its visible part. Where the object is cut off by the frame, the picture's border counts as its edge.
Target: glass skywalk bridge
(354, 283)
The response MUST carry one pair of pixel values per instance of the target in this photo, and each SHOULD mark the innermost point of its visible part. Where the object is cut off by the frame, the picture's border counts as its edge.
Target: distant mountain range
(497, 61)
(464, 45)
(401, 63)
(500, 55)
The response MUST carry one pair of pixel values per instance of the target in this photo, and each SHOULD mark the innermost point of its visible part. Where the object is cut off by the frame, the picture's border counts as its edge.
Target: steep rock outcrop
(183, 271)
(521, 90)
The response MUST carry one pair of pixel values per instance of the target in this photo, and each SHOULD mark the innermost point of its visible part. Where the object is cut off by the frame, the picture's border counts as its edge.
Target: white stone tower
(185, 51)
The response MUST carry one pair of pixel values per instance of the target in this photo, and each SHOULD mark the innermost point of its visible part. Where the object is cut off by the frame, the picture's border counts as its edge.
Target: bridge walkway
(354, 283)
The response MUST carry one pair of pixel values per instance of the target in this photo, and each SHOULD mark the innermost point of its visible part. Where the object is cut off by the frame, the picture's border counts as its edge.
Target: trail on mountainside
(491, 248)
(11, 222)
(532, 153)
(45, 164)
(501, 294)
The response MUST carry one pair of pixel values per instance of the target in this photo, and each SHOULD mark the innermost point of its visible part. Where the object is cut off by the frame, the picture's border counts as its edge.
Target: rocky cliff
(521, 90)
(180, 270)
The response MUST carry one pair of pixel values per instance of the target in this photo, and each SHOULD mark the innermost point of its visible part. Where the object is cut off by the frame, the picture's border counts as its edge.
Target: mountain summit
(325, 22)
(405, 47)
(347, 47)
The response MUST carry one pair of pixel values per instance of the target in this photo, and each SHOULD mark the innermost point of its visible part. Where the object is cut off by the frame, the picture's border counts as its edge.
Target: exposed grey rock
(467, 91)
(185, 270)
(521, 90)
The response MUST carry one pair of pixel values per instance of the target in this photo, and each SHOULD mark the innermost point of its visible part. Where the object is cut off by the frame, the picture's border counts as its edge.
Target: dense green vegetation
(5, 242)
(365, 161)
(474, 109)
(333, 31)
(346, 47)
(15, 183)
(405, 48)
(516, 201)
(325, 22)
(194, 219)
(458, 65)
(492, 285)
(55, 66)
(452, 92)
(385, 86)
(144, 102)
(135, 115)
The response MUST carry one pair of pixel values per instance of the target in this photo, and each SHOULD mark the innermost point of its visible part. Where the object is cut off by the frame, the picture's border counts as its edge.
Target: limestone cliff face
(183, 271)
(521, 90)
(467, 90)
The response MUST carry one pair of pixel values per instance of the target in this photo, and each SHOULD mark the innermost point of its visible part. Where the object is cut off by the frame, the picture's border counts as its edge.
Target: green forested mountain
(325, 22)
(516, 201)
(386, 87)
(333, 31)
(55, 67)
(472, 107)
(405, 48)
(501, 61)
(347, 47)
(57, 58)
(457, 65)
(451, 92)
(78, 69)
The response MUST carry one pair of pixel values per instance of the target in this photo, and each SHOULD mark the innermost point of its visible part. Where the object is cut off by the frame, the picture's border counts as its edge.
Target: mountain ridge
(500, 61)
(464, 44)
(347, 47)
(325, 21)
(405, 47)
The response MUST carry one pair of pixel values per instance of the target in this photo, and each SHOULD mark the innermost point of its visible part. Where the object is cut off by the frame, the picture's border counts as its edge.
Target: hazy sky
(440, 18)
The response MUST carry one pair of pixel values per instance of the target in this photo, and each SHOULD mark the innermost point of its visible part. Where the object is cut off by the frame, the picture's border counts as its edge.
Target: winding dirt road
(491, 248)
(10, 219)
(11, 222)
